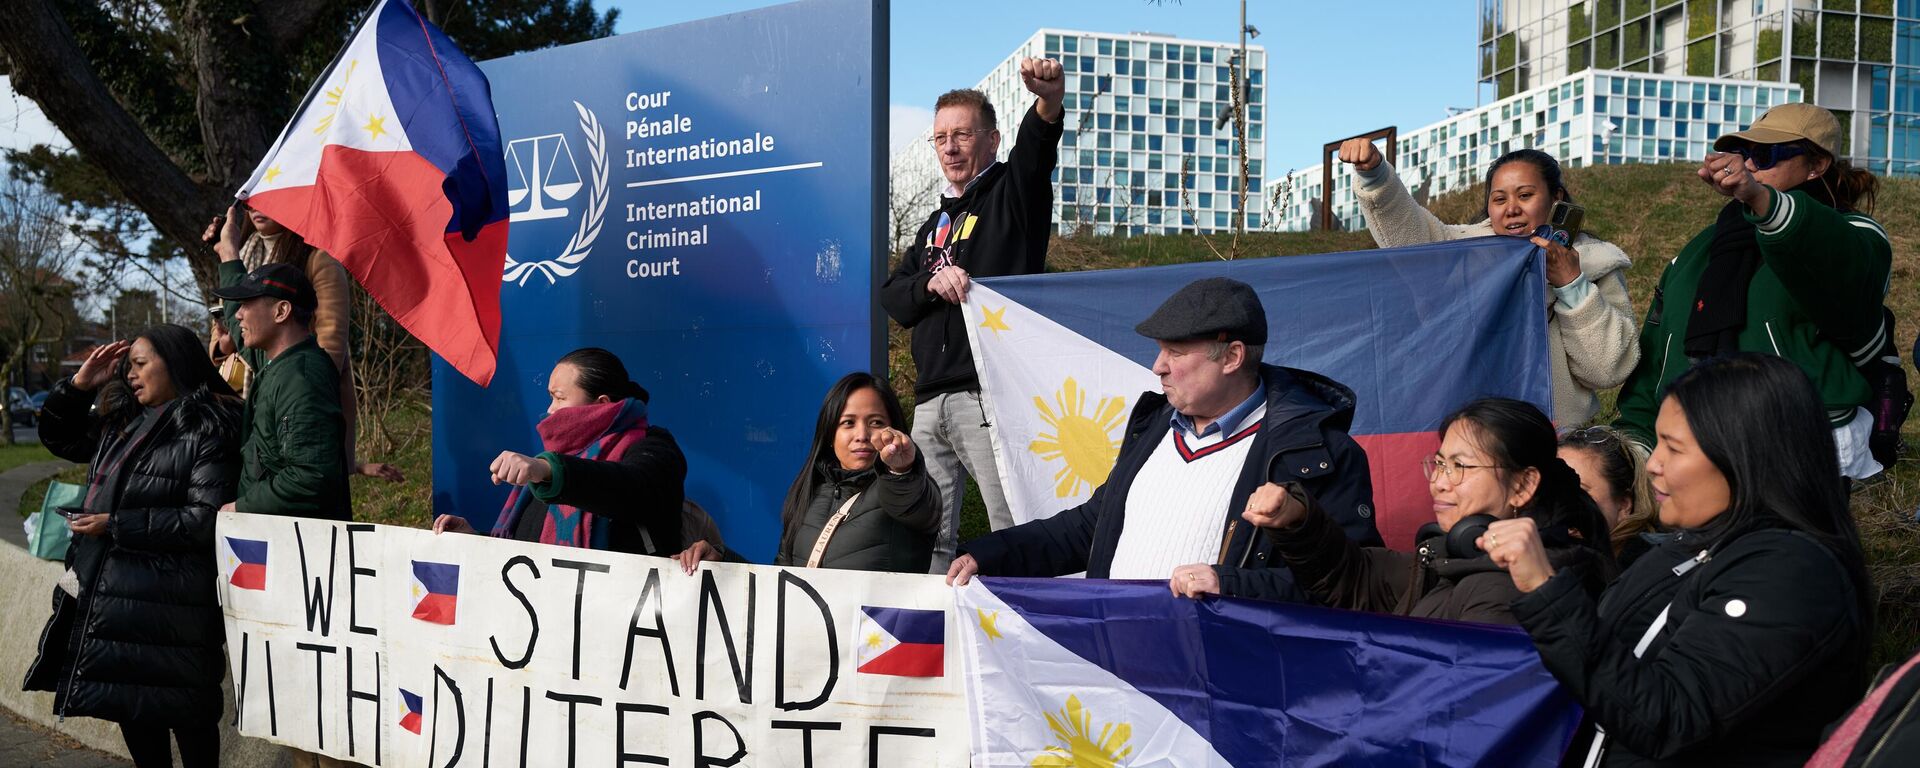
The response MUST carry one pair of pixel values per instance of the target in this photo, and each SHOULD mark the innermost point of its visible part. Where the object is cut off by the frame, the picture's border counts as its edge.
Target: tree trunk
(49, 68)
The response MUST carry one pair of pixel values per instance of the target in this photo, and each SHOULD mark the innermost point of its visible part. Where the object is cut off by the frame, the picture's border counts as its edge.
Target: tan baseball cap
(1785, 123)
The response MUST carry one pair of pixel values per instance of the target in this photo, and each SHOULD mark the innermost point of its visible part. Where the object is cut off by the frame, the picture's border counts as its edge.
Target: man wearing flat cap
(293, 460)
(1225, 425)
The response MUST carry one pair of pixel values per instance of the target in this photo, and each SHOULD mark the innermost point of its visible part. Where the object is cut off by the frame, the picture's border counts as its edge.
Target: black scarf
(1720, 300)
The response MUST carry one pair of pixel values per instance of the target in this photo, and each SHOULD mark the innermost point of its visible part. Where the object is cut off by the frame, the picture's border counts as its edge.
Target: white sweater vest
(1177, 505)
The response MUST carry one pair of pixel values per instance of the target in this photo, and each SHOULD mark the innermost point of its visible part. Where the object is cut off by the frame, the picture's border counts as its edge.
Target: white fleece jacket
(1592, 336)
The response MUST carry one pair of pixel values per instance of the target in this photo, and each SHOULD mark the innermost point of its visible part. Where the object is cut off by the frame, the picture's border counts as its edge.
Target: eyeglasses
(1455, 471)
(959, 138)
(1764, 156)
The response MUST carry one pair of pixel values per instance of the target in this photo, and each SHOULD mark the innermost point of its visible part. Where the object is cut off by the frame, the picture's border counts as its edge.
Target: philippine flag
(1414, 332)
(902, 641)
(394, 165)
(245, 562)
(1073, 672)
(436, 591)
(410, 720)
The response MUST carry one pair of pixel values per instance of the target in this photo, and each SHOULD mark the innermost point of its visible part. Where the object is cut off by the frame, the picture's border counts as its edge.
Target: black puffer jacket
(1706, 655)
(143, 641)
(890, 528)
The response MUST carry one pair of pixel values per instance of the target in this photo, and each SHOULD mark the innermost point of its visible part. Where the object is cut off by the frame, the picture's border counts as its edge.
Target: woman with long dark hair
(1590, 322)
(607, 479)
(1792, 266)
(136, 634)
(1737, 640)
(863, 499)
(1497, 461)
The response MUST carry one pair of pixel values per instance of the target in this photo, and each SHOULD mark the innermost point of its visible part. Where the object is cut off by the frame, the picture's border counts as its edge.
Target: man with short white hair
(994, 219)
(1226, 425)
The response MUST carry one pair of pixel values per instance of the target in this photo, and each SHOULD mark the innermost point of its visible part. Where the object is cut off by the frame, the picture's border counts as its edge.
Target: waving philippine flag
(1066, 672)
(1414, 332)
(394, 166)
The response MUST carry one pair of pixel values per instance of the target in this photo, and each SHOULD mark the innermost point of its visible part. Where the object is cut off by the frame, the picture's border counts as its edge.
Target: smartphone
(1566, 219)
(71, 513)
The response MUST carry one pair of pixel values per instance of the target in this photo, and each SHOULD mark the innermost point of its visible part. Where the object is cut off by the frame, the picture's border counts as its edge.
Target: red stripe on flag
(438, 609)
(909, 660)
(411, 722)
(1400, 499)
(249, 576)
(384, 216)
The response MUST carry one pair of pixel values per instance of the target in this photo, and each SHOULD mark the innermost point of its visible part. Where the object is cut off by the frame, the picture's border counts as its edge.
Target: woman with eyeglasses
(1590, 328)
(1736, 641)
(1613, 472)
(1496, 461)
(1793, 266)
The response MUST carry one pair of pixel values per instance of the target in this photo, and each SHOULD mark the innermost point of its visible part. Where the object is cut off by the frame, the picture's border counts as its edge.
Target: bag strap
(826, 532)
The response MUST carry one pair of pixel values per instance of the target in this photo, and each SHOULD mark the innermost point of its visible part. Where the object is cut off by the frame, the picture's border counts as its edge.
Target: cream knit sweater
(1593, 343)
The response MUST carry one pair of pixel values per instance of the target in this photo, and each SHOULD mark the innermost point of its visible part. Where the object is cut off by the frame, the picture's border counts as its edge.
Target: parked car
(25, 411)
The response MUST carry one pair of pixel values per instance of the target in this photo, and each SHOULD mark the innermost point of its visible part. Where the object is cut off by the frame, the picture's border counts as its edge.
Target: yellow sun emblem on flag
(1080, 748)
(1084, 441)
(332, 98)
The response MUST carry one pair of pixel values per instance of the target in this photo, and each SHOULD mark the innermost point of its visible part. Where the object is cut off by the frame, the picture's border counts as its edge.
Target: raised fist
(895, 448)
(1044, 78)
(1360, 153)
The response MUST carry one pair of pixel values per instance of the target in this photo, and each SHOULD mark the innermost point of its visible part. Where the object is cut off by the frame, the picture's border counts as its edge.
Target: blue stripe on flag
(1416, 331)
(1279, 684)
(446, 109)
(248, 550)
(910, 626)
(438, 578)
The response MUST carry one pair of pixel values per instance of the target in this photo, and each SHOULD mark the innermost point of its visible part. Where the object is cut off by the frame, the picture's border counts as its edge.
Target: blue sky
(1335, 68)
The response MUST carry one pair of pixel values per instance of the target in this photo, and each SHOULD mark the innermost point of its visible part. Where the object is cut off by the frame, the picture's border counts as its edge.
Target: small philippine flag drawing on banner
(245, 562)
(436, 591)
(410, 720)
(902, 641)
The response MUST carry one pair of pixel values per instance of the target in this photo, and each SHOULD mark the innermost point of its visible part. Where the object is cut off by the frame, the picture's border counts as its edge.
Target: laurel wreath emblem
(581, 245)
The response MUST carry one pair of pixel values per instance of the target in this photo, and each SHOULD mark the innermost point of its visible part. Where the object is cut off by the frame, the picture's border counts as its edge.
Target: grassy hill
(1650, 211)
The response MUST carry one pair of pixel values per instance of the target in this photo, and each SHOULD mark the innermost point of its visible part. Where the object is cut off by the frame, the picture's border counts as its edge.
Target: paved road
(24, 744)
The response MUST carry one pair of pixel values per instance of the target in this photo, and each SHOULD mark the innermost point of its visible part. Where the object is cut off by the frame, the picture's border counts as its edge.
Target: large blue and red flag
(394, 166)
(1415, 332)
(1067, 672)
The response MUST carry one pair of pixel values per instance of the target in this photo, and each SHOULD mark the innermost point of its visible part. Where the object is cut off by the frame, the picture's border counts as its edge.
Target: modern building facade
(1143, 149)
(1590, 118)
(1858, 58)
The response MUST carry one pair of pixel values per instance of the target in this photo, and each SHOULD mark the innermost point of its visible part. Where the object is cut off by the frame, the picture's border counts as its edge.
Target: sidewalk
(24, 744)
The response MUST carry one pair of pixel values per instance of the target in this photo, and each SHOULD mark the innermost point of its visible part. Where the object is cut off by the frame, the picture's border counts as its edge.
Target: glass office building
(1590, 118)
(1858, 58)
(1143, 149)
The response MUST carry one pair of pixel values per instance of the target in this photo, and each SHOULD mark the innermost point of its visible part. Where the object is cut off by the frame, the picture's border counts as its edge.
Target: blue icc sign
(701, 200)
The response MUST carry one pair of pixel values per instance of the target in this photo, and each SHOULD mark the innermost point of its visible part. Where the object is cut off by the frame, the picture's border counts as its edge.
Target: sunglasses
(1764, 156)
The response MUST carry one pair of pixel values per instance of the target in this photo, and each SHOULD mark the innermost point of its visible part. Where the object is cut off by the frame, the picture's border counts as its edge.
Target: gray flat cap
(1215, 308)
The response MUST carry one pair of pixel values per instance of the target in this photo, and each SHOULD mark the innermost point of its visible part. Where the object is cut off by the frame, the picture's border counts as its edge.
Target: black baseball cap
(279, 281)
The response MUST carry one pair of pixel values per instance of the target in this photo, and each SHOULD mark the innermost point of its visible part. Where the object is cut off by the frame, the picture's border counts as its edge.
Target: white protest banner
(396, 647)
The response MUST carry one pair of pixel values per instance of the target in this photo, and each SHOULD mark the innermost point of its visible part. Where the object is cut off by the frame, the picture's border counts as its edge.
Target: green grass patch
(37, 493)
(26, 453)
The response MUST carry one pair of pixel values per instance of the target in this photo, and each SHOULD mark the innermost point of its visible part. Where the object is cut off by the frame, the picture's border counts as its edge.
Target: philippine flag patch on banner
(244, 561)
(436, 591)
(902, 642)
(410, 720)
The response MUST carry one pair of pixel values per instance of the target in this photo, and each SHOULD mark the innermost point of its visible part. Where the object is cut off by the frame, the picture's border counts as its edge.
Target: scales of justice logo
(544, 182)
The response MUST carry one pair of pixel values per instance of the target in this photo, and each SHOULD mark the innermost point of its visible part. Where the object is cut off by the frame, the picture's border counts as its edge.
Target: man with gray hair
(994, 219)
(1225, 425)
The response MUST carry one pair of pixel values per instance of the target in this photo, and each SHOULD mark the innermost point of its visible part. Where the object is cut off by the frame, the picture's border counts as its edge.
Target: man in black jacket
(993, 220)
(1226, 425)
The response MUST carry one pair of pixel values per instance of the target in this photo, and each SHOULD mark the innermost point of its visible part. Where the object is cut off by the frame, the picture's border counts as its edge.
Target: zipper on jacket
(1889, 732)
(1664, 352)
(1774, 341)
(1681, 569)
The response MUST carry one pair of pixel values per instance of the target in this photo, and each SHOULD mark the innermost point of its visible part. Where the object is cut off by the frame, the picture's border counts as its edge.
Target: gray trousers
(950, 430)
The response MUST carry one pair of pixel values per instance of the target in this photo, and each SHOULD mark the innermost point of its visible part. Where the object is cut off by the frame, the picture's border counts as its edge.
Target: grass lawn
(15, 455)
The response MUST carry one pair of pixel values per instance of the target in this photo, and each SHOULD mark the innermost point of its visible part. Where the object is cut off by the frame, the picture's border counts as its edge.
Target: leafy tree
(169, 104)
